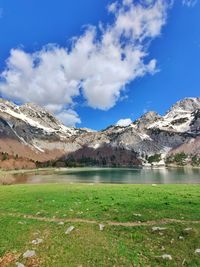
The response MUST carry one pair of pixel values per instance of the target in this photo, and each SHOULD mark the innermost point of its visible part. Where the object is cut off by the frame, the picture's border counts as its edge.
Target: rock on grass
(101, 226)
(137, 214)
(165, 257)
(19, 264)
(71, 228)
(188, 229)
(29, 254)
(156, 229)
(37, 241)
(61, 223)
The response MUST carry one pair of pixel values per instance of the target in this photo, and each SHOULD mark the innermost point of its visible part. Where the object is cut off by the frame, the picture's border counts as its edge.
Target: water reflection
(110, 175)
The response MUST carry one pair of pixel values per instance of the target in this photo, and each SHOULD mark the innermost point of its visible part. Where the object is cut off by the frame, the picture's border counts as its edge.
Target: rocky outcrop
(31, 132)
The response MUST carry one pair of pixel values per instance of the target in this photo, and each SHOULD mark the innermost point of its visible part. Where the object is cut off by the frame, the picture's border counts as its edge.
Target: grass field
(128, 212)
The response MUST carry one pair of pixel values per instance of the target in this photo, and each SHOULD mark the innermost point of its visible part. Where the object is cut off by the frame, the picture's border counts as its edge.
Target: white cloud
(189, 3)
(124, 122)
(112, 7)
(69, 117)
(98, 66)
(127, 2)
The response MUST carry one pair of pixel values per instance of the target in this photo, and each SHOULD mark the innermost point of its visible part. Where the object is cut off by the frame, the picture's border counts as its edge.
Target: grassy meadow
(128, 212)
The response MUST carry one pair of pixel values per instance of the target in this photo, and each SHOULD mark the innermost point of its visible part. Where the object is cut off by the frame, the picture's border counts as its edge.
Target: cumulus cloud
(98, 65)
(124, 122)
(69, 117)
(189, 3)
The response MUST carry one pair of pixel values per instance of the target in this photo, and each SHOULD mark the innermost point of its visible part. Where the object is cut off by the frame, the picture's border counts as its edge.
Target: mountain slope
(31, 133)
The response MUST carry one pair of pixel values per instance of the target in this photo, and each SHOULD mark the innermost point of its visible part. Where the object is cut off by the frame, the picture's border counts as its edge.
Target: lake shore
(55, 169)
(156, 175)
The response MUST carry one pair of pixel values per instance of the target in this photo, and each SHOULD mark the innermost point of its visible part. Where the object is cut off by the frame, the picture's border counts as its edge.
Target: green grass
(86, 245)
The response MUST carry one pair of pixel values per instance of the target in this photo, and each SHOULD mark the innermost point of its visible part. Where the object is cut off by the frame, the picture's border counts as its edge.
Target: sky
(97, 63)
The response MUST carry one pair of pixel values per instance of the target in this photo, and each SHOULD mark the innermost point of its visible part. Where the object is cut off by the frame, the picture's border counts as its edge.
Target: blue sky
(173, 43)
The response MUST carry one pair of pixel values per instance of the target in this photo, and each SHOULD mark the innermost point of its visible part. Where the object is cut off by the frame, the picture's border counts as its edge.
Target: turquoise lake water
(112, 175)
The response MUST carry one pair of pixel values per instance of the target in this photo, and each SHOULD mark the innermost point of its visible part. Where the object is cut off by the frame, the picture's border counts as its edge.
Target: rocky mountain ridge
(32, 133)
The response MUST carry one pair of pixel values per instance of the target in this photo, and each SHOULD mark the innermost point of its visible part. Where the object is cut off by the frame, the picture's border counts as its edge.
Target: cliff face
(31, 133)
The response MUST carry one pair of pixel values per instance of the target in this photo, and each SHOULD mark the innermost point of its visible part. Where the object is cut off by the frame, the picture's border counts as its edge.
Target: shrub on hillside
(195, 161)
(178, 159)
(154, 158)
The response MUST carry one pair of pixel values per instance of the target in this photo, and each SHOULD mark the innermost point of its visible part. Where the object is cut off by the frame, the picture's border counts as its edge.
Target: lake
(109, 175)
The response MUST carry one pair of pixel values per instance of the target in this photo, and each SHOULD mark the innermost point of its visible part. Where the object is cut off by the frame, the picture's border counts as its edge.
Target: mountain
(30, 135)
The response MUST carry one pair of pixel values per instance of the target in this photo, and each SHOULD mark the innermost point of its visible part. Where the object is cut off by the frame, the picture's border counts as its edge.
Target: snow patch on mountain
(179, 117)
(151, 134)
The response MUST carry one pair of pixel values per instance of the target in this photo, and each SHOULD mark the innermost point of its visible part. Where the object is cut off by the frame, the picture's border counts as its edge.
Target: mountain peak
(150, 115)
(146, 119)
(33, 132)
(188, 104)
(40, 114)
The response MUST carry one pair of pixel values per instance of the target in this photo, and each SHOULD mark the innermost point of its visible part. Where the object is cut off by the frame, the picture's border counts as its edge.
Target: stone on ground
(61, 223)
(18, 264)
(101, 226)
(137, 214)
(37, 241)
(166, 257)
(188, 229)
(156, 228)
(71, 228)
(29, 254)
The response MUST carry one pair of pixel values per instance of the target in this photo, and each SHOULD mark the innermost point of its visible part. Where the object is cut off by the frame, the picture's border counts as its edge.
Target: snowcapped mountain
(181, 117)
(34, 134)
(36, 117)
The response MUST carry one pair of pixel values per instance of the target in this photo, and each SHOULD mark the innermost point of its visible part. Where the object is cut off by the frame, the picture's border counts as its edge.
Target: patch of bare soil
(33, 262)
(6, 180)
(21, 156)
(111, 223)
(18, 164)
(8, 259)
